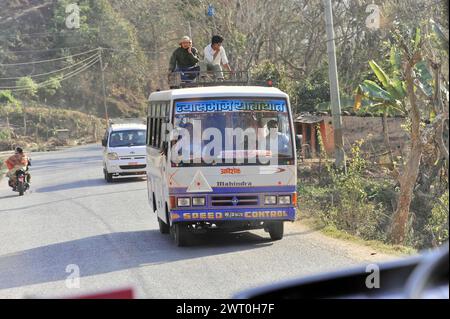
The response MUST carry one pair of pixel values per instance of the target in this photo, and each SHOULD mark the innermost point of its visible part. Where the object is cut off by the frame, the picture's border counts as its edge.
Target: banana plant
(387, 99)
(390, 97)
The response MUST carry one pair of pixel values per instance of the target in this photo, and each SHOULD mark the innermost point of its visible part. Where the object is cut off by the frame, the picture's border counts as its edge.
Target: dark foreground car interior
(420, 277)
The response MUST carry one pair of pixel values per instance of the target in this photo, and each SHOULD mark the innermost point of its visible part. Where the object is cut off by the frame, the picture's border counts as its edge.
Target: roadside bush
(2, 168)
(354, 211)
(4, 135)
(349, 201)
(438, 222)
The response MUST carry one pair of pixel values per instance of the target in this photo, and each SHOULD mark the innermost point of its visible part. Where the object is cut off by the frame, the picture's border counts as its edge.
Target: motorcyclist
(14, 163)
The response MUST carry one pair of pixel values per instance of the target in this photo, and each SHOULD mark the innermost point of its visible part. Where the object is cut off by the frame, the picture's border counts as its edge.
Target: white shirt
(220, 58)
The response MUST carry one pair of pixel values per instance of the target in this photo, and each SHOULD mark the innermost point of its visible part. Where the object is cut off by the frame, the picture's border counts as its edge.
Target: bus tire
(276, 230)
(180, 234)
(163, 227)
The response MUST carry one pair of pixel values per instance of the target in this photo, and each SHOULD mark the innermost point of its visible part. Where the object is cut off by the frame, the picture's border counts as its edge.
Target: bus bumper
(234, 214)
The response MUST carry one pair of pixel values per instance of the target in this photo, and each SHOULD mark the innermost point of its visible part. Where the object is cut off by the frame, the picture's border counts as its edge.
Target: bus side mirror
(104, 142)
(164, 148)
(174, 135)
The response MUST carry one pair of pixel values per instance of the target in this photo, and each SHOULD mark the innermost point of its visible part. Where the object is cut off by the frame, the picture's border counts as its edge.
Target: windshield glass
(232, 131)
(127, 138)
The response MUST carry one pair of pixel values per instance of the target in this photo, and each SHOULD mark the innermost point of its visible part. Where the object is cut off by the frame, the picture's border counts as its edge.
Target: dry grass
(379, 246)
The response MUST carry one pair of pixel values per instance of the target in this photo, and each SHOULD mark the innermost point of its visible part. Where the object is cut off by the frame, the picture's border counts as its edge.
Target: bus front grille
(237, 200)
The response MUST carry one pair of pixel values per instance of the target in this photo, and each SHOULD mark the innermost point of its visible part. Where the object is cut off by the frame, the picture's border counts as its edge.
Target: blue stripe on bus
(227, 190)
(237, 214)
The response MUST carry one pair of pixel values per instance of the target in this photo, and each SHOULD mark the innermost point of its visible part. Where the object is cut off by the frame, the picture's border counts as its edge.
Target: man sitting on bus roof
(185, 60)
(215, 56)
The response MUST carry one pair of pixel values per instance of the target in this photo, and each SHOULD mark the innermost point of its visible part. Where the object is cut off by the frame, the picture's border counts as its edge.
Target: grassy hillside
(42, 128)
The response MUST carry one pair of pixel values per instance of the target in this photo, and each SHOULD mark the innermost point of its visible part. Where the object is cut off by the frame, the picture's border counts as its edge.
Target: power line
(68, 32)
(44, 50)
(50, 60)
(68, 76)
(64, 77)
(51, 72)
(135, 52)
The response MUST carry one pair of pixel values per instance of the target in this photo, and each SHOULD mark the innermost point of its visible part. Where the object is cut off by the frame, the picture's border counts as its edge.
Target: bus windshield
(234, 131)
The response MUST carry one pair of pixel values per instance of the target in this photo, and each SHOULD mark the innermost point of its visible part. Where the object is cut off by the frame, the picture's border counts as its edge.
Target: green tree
(8, 104)
(414, 92)
(52, 85)
(27, 90)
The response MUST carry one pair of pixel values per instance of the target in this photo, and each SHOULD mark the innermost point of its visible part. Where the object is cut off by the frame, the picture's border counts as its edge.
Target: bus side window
(162, 126)
(157, 126)
(147, 137)
(158, 115)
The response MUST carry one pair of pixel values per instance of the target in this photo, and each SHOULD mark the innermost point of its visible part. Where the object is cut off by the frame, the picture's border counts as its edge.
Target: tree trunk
(410, 171)
(387, 141)
(24, 121)
(407, 181)
(8, 125)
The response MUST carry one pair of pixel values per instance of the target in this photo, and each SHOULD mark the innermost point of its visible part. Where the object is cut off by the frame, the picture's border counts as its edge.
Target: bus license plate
(133, 164)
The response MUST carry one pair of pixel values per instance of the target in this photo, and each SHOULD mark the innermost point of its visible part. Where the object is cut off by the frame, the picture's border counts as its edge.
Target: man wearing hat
(185, 60)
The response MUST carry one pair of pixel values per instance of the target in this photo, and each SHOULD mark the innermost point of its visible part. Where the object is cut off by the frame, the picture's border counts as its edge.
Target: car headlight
(183, 202)
(284, 200)
(113, 156)
(198, 201)
(270, 200)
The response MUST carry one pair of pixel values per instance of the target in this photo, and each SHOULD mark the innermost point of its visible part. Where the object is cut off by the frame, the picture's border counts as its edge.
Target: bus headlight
(284, 200)
(270, 200)
(198, 201)
(183, 202)
(113, 156)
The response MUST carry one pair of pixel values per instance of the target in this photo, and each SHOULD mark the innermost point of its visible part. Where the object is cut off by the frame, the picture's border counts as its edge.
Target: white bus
(217, 177)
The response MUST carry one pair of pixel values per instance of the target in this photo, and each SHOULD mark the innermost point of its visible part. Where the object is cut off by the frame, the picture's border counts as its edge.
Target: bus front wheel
(179, 234)
(163, 227)
(276, 230)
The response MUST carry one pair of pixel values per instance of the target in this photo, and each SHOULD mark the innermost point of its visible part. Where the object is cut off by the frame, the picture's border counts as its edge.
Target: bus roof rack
(124, 121)
(192, 79)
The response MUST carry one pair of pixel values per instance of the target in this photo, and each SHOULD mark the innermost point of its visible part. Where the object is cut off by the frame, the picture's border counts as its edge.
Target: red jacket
(16, 159)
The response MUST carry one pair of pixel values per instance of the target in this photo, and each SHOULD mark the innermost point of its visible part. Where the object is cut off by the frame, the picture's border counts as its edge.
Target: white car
(124, 150)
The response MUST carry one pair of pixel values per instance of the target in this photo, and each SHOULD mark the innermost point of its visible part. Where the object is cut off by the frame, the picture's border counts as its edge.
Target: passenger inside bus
(282, 139)
(186, 137)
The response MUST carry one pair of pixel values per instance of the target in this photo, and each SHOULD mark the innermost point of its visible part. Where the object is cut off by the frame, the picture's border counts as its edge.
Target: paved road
(72, 217)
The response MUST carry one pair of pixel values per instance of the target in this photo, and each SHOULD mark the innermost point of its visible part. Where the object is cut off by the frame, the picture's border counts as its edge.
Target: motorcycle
(22, 181)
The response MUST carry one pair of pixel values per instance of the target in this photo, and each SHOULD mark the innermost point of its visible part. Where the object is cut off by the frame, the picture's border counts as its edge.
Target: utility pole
(103, 85)
(334, 89)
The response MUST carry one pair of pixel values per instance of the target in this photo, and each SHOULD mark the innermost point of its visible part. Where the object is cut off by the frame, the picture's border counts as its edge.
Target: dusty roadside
(353, 247)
